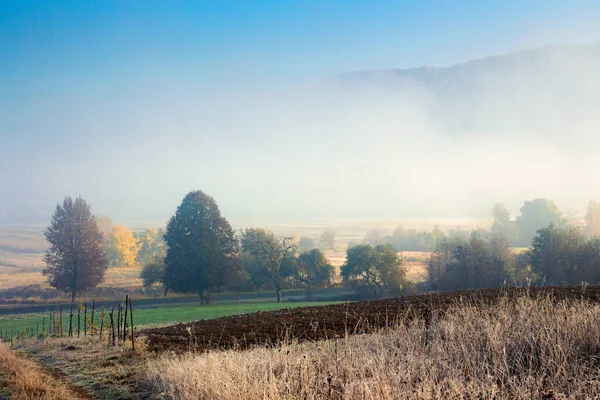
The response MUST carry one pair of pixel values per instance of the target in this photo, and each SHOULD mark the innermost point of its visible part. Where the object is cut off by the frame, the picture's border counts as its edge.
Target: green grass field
(148, 317)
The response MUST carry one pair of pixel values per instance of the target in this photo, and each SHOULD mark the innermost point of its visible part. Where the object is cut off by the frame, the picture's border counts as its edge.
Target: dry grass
(115, 278)
(13, 280)
(525, 348)
(416, 265)
(122, 277)
(27, 381)
(101, 371)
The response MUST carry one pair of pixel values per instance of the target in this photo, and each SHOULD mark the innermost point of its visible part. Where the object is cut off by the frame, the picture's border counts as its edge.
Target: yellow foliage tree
(121, 247)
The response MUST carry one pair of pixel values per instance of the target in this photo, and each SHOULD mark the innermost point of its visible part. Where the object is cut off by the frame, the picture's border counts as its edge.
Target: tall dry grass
(26, 381)
(516, 349)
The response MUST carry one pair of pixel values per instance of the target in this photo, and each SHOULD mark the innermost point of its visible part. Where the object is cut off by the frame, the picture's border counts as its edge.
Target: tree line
(519, 231)
(200, 253)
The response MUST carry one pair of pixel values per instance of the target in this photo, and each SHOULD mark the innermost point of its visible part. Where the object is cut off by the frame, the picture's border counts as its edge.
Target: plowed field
(323, 322)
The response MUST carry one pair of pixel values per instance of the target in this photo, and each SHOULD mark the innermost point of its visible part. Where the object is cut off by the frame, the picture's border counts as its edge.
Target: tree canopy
(476, 262)
(380, 268)
(268, 259)
(313, 270)
(564, 255)
(503, 225)
(537, 214)
(201, 247)
(75, 260)
(151, 244)
(121, 247)
(153, 271)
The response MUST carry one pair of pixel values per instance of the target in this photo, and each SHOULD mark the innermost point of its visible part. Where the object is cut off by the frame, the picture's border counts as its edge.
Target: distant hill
(559, 84)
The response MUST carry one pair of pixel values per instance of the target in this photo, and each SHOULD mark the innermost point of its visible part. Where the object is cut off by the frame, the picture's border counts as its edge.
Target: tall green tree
(201, 247)
(269, 260)
(153, 271)
(380, 268)
(476, 262)
(537, 214)
(557, 255)
(313, 270)
(75, 260)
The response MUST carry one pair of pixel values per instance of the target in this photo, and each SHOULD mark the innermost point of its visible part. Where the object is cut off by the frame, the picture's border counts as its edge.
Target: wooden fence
(115, 326)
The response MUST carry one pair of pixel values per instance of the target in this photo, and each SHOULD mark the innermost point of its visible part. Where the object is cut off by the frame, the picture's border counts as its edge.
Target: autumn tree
(380, 268)
(201, 247)
(151, 244)
(313, 270)
(269, 260)
(75, 260)
(121, 247)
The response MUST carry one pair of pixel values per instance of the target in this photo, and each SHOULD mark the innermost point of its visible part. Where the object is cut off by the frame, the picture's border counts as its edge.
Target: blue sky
(44, 41)
(87, 86)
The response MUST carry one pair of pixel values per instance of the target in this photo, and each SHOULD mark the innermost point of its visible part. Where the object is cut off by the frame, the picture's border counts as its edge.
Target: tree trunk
(73, 297)
(201, 296)
(278, 295)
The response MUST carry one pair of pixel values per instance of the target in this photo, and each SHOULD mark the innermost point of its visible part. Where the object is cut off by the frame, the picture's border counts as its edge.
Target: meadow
(153, 317)
(504, 344)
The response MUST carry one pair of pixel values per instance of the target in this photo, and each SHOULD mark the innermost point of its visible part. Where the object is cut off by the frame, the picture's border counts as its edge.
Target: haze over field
(279, 136)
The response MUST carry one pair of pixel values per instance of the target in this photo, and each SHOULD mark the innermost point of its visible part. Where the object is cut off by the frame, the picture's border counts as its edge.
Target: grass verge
(23, 379)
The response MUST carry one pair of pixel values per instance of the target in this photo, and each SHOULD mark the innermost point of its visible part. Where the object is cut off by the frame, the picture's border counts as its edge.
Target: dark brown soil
(323, 322)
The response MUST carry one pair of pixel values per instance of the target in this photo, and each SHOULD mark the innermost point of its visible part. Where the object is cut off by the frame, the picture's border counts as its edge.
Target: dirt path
(77, 391)
(23, 378)
(90, 367)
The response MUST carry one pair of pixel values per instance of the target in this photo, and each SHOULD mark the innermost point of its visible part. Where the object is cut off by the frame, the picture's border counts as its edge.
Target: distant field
(416, 265)
(152, 317)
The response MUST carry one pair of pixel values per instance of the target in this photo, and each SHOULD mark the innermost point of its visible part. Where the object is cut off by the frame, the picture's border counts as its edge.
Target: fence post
(119, 322)
(132, 333)
(92, 321)
(102, 322)
(125, 319)
(85, 320)
(112, 325)
(78, 319)
(71, 321)
(61, 321)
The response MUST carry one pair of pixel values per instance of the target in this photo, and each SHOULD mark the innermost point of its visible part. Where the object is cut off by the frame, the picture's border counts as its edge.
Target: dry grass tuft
(27, 381)
(521, 348)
